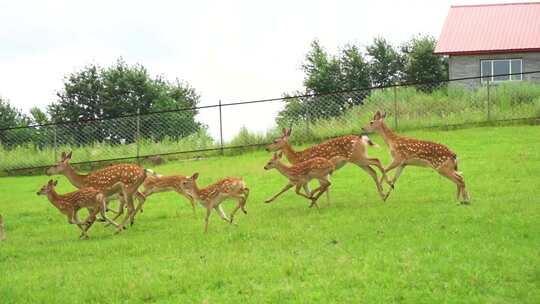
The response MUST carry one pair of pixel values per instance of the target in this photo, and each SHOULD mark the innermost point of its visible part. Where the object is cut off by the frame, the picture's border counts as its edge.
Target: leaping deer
(407, 151)
(129, 175)
(70, 203)
(159, 183)
(213, 195)
(301, 173)
(343, 149)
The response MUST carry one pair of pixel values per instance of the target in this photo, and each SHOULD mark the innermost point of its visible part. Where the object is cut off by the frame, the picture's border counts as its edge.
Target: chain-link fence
(220, 128)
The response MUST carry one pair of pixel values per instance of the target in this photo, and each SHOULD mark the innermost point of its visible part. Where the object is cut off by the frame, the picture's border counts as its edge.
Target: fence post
(138, 135)
(55, 145)
(488, 101)
(308, 118)
(220, 129)
(395, 108)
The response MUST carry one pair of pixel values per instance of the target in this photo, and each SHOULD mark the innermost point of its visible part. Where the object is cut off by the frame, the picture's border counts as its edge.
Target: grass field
(418, 247)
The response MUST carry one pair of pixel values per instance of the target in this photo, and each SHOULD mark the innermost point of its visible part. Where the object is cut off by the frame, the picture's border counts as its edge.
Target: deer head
(48, 187)
(190, 184)
(273, 161)
(61, 166)
(280, 142)
(375, 124)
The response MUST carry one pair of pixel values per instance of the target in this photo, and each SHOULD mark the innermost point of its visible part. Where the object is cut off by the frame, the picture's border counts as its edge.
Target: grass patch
(419, 247)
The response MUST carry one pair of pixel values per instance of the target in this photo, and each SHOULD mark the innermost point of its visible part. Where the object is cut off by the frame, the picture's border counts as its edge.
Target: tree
(11, 117)
(386, 63)
(421, 65)
(322, 72)
(328, 74)
(38, 116)
(96, 93)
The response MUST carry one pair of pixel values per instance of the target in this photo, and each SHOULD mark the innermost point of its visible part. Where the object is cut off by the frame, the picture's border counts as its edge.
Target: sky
(227, 50)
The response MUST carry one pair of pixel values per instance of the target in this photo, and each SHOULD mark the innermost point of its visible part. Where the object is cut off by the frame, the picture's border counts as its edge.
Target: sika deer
(156, 184)
(301, 173)
(213, 195)
(70, 203)
(129, 175)
(407, 151)
(350, 148)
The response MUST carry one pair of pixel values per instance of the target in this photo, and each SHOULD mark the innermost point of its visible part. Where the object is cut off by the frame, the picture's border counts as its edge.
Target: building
(492, 39)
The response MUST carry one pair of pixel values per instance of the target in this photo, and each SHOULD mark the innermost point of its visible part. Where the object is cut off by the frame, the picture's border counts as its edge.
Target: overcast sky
(228, 50)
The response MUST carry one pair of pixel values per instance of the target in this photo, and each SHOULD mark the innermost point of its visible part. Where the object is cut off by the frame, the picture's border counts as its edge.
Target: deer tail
(366, 140)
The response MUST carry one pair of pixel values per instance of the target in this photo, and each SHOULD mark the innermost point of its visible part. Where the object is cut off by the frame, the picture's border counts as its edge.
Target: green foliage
(420, 64)
(386, 63)
(418, 247)
(101, 93)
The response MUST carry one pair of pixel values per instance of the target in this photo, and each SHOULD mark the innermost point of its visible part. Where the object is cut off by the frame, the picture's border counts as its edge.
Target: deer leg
(141, 198)
(458, 180)
(373, 175)
(121, 199)
(324, 187)
(189, 197)
(395, 163)
(377, 163)
(104, 214)
(208, 212)
(299, 187)
(287, 187)
(219, 210)
(131, 209)
(306, 189)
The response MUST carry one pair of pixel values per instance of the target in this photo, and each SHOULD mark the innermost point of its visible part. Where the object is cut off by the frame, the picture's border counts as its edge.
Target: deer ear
(68, 156)
(377, 115)
(63, 155)
(55, 183)
(195, 176)
(383, 115)
(284, 131)
(279, 155)
(50, 182)
(289, 130)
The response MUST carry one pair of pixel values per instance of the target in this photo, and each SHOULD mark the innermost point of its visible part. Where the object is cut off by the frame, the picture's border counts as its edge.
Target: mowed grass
(418, 247)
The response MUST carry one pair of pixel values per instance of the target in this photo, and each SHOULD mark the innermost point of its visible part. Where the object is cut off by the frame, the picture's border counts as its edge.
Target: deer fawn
(2, 233)
(70, 203)
(350, 148)
(409, 151)
(301, 173)
(213, 195)
(156, 184)
(130, 176)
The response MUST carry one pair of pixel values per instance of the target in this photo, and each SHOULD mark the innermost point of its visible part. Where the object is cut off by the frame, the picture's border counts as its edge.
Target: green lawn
(418, 247)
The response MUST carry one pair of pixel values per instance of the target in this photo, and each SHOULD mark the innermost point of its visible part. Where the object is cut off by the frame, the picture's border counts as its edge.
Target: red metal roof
(490, 28)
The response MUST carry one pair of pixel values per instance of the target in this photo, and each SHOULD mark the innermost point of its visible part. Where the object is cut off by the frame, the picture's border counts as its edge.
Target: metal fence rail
(174, 132)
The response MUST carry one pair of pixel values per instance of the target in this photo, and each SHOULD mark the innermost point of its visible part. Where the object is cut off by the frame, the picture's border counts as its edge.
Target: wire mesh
(313, 117)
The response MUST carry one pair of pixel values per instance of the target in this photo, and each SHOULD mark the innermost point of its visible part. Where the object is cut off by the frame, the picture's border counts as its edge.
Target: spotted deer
(129, 175)
(407, 151)
(213, 195)
(2, 232)
(159, 183)
(349, 148)
(301, 173)
(70, 203)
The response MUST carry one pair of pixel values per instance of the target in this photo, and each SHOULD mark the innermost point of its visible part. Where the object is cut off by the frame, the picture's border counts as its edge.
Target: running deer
(409, 151)
(213, 195)
(128, 175)
(2, 233)
(349, 148)
(159, 183)
(70, 203)
(301, 173)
